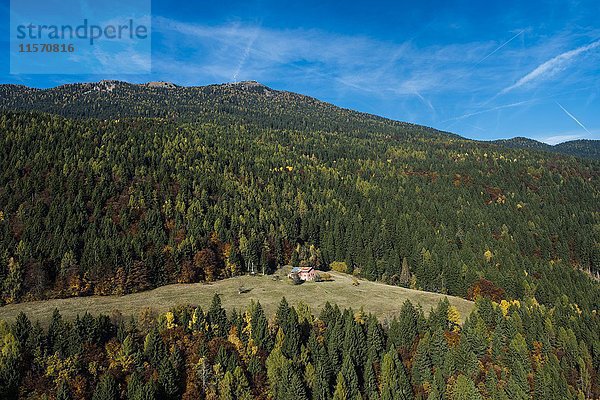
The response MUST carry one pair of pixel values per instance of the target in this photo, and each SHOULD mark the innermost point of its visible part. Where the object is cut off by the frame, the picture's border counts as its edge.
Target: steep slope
(233, 103)
(105, 207)
(137, 186)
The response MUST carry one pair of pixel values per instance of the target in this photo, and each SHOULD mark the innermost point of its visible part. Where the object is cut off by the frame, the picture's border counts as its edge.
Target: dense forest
(113, 188)
(512, 350)
(115, 206)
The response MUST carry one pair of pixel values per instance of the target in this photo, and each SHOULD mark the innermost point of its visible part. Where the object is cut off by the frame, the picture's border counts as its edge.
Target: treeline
(111, 207)
(512, 350)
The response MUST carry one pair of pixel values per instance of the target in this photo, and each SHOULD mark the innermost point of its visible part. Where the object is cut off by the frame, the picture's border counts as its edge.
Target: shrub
(323, 277)
(339, 266)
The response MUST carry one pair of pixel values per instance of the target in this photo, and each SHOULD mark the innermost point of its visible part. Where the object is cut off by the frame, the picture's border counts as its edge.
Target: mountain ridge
(251, 100)
(270, 107)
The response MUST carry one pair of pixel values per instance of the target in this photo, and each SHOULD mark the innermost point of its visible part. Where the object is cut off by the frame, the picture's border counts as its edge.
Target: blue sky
(484, 70)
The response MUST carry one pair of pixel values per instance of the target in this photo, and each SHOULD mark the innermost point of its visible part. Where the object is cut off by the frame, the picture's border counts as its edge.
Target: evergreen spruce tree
(435, 393)
(135, 387)
(405, 275)
(106, 389)
(154, 348)
(421, 367)
(217, 317)
(291, 344)
(464, 389)
(291, 386)
(242, 386)
(395, 383)
(341, 390)
(407, 322)
(370, 381)
(438, 348)
(63, 392)
(375, 338)
(23, 329)
(350, 377)
(405, 388)
(167, 379)
(320, 389)
(260, 328)
(277, 366)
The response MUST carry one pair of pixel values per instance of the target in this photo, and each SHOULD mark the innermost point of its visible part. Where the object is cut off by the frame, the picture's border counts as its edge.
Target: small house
(304, 273)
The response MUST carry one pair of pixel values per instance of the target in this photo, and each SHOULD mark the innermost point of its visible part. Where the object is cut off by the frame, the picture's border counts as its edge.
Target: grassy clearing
(380, 299)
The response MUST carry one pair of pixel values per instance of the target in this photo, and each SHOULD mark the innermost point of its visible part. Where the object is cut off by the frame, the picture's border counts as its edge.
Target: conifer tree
(370, 381)
(167, 379)
(341, 390)
(405, 275)
(375, 339)
(464, 389)
(407, 325)
(217, 317)
(154, 348)
(226, 389)
(438, 348)
(320, 389)
(63, 392)
(348, 372)
(23, 329)
(421, 367)
(260, 328)
(106, 389)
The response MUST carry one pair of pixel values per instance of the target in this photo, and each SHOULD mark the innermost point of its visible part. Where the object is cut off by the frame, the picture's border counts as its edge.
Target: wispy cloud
(239, 51)
(551, 67)
(440, 85)
(556, 139)
(501, 107)
(573, 118)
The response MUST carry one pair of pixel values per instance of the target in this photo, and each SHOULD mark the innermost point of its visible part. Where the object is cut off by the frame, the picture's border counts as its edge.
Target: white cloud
(551, 67)
(236, 51)
(427, 83)
(552, 140)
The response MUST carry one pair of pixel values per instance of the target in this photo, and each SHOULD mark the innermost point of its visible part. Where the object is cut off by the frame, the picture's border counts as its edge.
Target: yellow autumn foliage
(454, 318)
(170, 320)
(505, 305)
(339, 266)
(488, 255)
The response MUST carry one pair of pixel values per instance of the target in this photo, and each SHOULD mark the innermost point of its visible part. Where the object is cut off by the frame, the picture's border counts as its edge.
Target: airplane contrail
(499, 47)
(245, 55)
(573, 117)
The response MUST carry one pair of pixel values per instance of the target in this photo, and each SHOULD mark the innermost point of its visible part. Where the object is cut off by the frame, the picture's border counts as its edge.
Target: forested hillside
(121, 204)
(113, 188)
(242, 103)
(248, 103)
